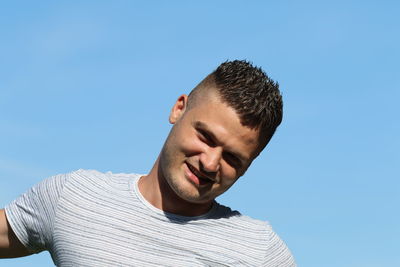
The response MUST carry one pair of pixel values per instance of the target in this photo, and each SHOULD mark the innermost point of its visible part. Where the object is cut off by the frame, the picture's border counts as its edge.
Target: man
(168, 217)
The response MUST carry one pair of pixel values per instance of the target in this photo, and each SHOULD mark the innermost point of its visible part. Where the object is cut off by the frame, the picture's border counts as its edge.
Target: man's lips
(197, 177)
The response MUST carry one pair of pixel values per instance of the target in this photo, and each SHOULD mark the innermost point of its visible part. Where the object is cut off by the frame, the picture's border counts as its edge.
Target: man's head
(218, 131)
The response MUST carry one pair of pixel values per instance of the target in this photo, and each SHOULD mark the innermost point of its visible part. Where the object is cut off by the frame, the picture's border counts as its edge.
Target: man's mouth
(197, 177)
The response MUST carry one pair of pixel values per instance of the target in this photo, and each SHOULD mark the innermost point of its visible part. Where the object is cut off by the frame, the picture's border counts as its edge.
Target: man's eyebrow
(204, 127)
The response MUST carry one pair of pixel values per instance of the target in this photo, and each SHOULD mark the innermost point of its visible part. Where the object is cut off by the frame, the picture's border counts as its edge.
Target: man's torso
(102, 220)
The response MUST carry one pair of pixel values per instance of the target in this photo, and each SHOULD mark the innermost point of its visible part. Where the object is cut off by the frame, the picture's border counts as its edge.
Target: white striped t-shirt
(89, 218)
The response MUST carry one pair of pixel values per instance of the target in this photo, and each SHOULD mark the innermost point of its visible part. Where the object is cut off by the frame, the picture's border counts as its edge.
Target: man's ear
(178, 109)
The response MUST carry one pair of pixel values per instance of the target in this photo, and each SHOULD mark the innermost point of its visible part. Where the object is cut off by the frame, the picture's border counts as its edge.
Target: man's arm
(10, 246)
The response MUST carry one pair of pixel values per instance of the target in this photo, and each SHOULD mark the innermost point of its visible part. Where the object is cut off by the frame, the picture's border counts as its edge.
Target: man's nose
(211, 159)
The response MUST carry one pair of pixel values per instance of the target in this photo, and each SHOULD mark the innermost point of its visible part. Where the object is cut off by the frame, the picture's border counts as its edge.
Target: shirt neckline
(171, 216)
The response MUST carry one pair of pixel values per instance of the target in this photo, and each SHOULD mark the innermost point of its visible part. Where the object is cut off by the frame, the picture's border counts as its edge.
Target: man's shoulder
(240, 221)
(85, 180)
(250, 236)
(229, 213)
(91, 174)
(96, 173)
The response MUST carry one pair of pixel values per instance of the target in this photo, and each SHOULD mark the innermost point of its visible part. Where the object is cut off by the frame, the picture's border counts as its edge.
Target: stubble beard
(173, 174)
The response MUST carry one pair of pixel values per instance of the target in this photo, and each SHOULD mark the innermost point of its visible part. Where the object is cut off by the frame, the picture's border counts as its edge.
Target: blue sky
(89, 84)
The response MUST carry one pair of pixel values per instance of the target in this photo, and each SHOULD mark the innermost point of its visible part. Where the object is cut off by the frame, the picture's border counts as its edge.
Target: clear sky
(89, 84)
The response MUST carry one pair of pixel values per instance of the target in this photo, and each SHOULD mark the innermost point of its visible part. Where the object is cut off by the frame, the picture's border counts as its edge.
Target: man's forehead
(212, 128)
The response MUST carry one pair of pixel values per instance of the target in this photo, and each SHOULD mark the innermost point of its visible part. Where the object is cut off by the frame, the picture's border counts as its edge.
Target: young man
(168, 217)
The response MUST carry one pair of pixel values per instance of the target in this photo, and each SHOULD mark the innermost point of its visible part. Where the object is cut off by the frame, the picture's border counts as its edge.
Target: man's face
(207, 150)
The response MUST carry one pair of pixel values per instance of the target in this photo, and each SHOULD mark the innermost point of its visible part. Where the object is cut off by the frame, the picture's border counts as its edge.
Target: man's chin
(191, 193)
(194, 197)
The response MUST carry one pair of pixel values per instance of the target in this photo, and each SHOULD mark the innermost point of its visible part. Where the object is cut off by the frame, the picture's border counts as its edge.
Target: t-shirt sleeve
(278, 254)
(32, 215)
